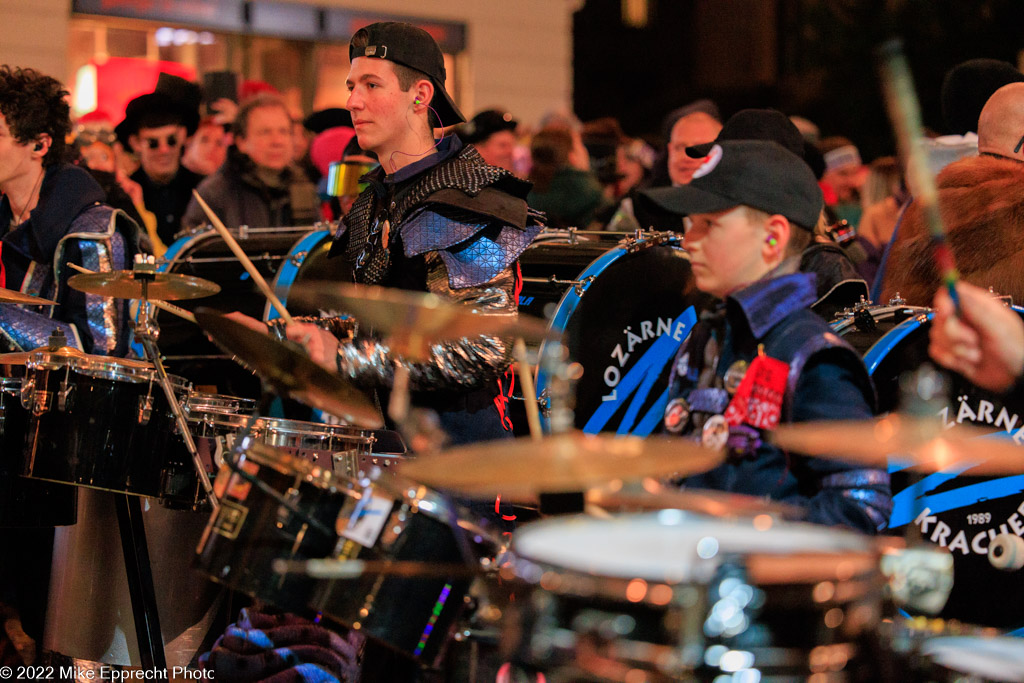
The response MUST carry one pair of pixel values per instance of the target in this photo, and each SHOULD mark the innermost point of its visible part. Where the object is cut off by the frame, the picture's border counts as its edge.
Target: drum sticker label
(758, 399)
(932, 495)
(636, 384)
(238, 487)
(367, 520)
(230, 519)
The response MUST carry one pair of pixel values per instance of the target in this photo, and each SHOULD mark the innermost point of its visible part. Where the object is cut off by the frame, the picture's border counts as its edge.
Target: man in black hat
(155, 127)
(493, 133)
(765, 358)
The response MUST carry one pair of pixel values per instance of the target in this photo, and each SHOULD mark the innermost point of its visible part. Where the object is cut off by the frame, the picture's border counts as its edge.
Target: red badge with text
(758, 399)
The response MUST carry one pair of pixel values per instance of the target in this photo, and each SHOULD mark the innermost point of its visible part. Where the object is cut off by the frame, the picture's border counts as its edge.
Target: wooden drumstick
(529, 389)
(170, 308)
(244, 260)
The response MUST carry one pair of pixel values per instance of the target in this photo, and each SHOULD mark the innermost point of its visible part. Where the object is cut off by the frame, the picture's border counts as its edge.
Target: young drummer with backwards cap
(764, 357)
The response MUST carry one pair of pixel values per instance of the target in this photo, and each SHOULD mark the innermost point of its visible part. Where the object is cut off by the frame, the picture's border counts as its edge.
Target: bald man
(982, 204)
(1001, 124)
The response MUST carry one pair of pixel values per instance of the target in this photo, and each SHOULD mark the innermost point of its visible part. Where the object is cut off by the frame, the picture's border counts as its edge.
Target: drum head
(625, 330)
(674, 546)
(957, 511)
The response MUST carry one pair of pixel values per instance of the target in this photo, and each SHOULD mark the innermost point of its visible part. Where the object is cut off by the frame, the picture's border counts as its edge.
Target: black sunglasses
(154, 143)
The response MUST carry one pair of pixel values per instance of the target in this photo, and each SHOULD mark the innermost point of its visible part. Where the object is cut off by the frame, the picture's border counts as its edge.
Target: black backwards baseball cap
(413, 47)
(757, 173)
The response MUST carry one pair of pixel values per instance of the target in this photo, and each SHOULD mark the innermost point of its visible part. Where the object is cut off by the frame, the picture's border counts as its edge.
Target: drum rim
(275, 458)
(279, 425)
(201, 401)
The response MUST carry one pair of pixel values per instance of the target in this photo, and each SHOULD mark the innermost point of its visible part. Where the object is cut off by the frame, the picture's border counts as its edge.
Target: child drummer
(764, 356)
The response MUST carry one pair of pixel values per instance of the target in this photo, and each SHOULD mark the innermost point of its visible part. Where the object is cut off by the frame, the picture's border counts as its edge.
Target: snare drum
(213, 421)
(678, 595)
(340, 449)
(24, 502)
(623, 320)
(97, 422)
(964, 513)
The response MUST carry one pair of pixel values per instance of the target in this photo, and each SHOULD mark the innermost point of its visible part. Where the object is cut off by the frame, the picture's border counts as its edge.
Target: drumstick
(529, 390)
(240, 254)
(170, 308)
(905, 112)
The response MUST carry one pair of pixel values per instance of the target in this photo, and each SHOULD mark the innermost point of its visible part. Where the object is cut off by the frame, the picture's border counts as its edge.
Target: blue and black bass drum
(623, 317)
(951, 509)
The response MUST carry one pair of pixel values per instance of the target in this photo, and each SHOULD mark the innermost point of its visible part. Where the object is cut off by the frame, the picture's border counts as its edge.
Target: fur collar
(981, 200)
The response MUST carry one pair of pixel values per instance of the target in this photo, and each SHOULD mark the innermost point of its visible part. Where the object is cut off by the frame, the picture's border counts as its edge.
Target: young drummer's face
(377, 103)
(726, 250)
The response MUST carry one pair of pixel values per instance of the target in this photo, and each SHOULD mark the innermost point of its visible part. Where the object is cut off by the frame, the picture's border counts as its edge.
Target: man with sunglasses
(155, 128)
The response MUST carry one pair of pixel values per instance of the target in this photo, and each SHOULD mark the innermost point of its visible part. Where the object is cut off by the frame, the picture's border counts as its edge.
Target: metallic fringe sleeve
(106, 315)
(868, 489)
(465, 364)
(341, 326)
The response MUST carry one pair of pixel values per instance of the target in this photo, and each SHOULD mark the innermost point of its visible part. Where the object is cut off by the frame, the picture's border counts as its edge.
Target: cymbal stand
(146, 332)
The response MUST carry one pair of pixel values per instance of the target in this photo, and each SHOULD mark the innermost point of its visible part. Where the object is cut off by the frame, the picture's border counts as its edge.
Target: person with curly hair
(53, 212)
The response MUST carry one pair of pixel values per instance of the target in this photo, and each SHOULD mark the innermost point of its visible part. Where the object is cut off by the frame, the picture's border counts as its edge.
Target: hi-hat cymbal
(290, 370)
(520, 468)
(421, 317)
(922, 444)
(10, 296)
(123, 284)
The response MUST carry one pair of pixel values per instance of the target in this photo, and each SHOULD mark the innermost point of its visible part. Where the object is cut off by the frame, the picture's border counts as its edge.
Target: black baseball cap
(485, 124)
(756, 124)
(413, 47)
(756, 173)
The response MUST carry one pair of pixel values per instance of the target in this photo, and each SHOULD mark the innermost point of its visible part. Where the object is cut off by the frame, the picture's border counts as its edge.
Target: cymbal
(122, 284)
(656, 496)
(416, 316)
(573, 461)
(10, 296)
(919, 443)
(290, 370)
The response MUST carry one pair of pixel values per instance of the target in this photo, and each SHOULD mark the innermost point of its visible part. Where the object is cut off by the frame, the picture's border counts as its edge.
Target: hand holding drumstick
(984, 343)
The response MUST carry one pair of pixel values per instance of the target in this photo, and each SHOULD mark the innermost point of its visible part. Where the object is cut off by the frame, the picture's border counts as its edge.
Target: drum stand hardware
(579, 286)
(146, 332)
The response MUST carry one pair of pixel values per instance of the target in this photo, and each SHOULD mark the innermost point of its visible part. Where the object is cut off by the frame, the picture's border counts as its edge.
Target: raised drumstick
(244, 260)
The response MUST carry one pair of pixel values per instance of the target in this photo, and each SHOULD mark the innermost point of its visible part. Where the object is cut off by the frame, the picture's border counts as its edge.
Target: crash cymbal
(573, 461)
(413, 316)
(290, 370)
(10, 296)
(123, 284)
(918, 443)
(653, 496)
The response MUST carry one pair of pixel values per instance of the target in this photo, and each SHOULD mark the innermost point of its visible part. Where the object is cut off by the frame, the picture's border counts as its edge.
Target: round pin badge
(677, 414)
(715, 434)
(734, 375)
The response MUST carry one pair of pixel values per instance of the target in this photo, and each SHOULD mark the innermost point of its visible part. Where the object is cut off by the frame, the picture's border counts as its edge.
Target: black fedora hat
(159, 107)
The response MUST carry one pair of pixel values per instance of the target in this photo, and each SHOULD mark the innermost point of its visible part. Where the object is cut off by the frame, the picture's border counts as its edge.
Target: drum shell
(335, 448)
(251, 528)
(213, 420)
(964, 511)
(413, 617)
(624, 329)
(102, 437)
(26, 502)
(307, 261)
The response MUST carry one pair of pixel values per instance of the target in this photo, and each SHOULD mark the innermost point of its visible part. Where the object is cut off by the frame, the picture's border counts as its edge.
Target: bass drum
(554, 261)
(623, 320)
(955, 511)
(204, 254)
(307, 261)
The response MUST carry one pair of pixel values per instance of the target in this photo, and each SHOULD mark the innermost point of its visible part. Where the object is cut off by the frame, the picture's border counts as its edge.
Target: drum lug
(298, 258)
(145, 409)
(284, 515)
(62, 395)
